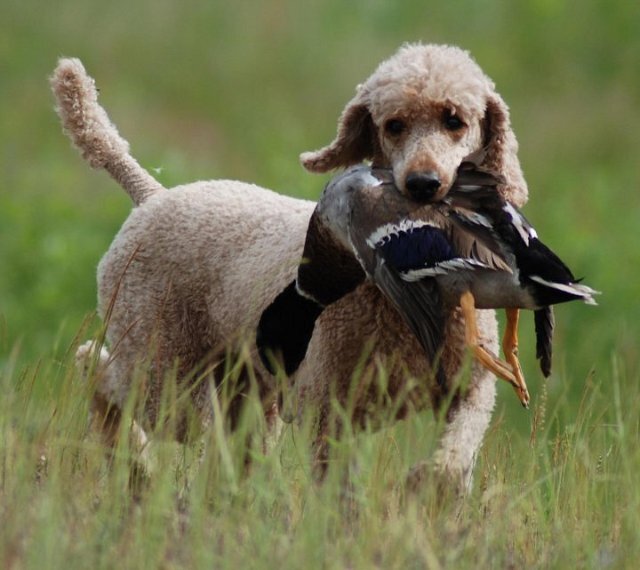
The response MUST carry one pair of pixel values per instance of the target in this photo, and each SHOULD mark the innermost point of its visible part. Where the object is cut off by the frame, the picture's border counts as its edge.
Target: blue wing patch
(416, 248)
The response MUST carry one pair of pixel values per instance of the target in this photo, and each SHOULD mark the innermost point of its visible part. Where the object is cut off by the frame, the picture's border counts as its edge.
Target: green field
(211, 89)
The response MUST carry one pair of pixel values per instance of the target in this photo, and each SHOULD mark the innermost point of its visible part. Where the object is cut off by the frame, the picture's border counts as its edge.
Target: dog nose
(422, 186)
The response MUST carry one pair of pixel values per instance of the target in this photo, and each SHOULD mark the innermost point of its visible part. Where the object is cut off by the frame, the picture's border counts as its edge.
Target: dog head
(421, 113)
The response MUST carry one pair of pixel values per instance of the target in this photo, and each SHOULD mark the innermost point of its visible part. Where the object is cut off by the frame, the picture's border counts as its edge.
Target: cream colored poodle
(186, 279)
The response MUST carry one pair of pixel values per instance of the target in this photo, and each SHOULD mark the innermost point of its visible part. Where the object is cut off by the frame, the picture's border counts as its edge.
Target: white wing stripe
(443, 268)
(387, 230)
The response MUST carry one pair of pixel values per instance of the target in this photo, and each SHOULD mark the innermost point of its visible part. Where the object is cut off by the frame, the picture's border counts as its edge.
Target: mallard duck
(471, 250)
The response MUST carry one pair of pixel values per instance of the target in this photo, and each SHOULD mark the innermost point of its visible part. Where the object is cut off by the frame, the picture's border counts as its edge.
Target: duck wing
(472, 203)
(390, 239)
(420, 306)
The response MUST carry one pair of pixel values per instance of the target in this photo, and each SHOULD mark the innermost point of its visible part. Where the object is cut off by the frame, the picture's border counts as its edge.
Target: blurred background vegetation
(209, 89)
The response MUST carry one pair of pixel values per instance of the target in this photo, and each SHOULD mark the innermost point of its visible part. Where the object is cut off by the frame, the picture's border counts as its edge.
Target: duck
(471, 250)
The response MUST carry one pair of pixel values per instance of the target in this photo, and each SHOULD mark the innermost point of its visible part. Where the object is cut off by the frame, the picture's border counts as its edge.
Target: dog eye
(452, 122)
(395, 127)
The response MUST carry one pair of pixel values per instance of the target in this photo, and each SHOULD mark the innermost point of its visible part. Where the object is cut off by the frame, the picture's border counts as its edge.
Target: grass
(565, 496)
(210, 89)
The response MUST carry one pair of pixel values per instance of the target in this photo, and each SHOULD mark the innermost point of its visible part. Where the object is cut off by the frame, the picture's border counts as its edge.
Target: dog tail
(87, 124)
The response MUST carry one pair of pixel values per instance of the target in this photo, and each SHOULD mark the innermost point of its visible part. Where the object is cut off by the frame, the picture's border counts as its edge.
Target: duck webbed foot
(510, 350)
(505, 370)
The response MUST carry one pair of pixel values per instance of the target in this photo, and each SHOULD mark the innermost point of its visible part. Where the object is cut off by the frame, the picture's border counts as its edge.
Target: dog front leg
(468, 417)
(462, 437)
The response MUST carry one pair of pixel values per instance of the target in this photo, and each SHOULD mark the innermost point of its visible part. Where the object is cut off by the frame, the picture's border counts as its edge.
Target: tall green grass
(567, 496)
(208, 89)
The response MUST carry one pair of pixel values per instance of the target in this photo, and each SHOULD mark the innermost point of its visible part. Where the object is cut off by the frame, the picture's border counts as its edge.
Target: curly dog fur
(190, 272)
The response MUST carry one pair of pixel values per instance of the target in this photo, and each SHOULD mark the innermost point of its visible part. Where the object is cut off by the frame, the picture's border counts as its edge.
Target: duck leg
(510, 350)
(491, 362)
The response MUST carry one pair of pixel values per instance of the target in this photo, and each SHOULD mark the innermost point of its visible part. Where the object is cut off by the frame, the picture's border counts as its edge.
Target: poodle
(183, 285)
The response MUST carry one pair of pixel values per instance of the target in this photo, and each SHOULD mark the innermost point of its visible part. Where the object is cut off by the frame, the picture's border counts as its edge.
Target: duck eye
(395, 127)
(452, 122)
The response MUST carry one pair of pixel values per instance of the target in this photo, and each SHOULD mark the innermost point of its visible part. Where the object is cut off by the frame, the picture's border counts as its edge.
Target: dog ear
(356, 140)
(502, 150)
